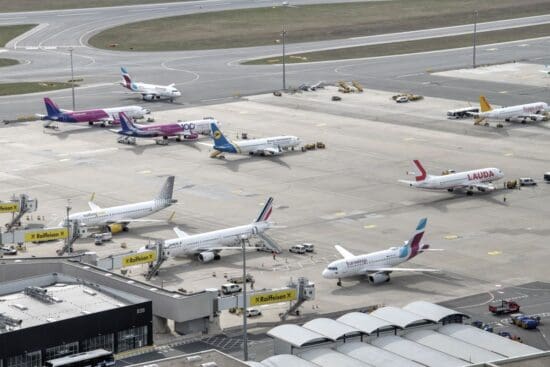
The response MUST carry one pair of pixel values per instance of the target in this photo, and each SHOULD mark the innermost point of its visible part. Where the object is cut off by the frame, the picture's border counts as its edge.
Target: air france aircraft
(117, 218)
(480, 179)
(532, 111)
(377, 266)
(149, 92)
(206, 246)
(265, 146)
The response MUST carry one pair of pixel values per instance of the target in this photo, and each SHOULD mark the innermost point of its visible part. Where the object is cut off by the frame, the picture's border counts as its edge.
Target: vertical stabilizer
(484, 106)
(167, 189)
(421, 175)
(266, 211)
(51, 107)
(414, 242)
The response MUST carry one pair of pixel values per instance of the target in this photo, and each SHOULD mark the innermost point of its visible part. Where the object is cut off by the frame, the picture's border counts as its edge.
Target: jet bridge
(18, 206)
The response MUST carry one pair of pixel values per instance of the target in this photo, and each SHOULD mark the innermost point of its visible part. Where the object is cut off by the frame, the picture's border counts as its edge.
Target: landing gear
(91, 123)
(339, 282)
(171, 100)
(130, 140)
(450, 190)
(469, 192)
(217, 257)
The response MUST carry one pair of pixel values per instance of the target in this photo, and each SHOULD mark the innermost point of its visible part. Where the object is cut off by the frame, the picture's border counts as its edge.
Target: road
(216, 75)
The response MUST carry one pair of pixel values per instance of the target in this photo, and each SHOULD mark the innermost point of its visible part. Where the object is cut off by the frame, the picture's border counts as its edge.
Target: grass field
(8, 62)
(9, 32)
(8, 89)
(262, 26)
(396, 48)
(29, 5)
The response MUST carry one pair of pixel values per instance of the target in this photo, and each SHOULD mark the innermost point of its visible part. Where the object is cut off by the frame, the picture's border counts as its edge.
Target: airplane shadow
(64, 134)
(402, 282)
(139, 149)
(145, 231)
(442, 203)
(235, 164)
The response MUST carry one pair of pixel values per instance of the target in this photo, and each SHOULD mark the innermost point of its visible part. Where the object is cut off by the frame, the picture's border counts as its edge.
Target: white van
(309, 247)
(298, 249)
(231, 288)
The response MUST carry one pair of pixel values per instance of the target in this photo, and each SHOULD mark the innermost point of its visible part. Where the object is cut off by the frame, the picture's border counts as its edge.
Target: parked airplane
(149, 92)
(479, 179)
(377, 266)
(117, 218)
(206, 246)
(531, 111)
(187, 130)
(103, 115)
(265, 146)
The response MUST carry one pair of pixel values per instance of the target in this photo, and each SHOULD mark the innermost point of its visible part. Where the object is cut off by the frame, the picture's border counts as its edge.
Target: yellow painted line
(451, 237)
(144, 172)
(340, 214)
(369, 226)
(494, 253)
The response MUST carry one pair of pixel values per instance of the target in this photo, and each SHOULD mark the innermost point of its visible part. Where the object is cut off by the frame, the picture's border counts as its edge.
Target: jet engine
(378, 278)
(148, 97)
(206, 256)
(116, 228)
(191, 136)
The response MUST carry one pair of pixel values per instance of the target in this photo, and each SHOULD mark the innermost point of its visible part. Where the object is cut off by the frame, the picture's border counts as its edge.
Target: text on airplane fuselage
(482, 175)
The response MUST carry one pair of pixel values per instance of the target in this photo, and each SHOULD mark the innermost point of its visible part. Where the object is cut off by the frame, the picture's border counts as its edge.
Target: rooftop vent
(40, 294)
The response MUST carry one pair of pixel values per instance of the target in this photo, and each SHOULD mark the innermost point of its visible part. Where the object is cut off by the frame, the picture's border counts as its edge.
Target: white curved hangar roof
(286, 360)
(431, 311)
(417, 352)
(374, 355)
(454, 347)
(366, 323)
(331, 329)
(398, 316)
(295, 335)
(488, 341)
(326, 357)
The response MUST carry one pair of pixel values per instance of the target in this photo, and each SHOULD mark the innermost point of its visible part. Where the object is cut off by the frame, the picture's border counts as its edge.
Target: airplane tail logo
(167, 189)
(126, 124)
(219, 138)
(414, 242)
(266, 211)
(127, 79)
(51, 107)
(421, 176)
(484, 105)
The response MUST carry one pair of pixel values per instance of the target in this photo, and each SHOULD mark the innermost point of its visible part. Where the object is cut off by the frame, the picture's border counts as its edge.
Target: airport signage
(43, 235)
(273, 297)
(137, 259)
(9, 207)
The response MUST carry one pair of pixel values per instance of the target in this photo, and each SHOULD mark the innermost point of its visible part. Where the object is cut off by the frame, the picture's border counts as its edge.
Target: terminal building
(52, 315)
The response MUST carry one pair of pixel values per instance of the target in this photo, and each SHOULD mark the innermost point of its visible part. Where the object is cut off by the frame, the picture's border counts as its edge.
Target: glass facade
(99, 342)
(131, 339)
(61, 350)
(33, 359)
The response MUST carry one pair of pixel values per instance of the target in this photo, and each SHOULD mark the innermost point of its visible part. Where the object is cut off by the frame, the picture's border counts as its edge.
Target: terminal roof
(431, 311)
(331, 329)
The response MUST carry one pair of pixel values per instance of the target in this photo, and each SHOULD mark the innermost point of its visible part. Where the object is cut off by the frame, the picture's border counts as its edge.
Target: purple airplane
(103, 115)
(130, 131)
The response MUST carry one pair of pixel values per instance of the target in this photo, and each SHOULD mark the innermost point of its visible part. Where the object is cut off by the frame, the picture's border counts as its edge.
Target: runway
(214, 75)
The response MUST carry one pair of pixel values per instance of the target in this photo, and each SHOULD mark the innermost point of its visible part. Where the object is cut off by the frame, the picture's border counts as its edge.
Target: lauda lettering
(481, 175)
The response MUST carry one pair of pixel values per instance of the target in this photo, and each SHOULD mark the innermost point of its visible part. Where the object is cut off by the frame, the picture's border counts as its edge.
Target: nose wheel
(339, 282)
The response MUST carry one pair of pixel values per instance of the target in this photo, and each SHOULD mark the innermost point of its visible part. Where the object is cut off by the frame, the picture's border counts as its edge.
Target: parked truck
(525, 321)
(503, 307)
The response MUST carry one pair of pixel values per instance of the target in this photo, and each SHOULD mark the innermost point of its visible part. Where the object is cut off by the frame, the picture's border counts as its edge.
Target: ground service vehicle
(546, 177)
(239, 280)
(298, 249)
(231, 288)
(462, 113)
(524, 321)
(251, 312)
(5, 250)
(93, 358)
(308, 246)
(502, 307)
(99, 238)
(527, 181)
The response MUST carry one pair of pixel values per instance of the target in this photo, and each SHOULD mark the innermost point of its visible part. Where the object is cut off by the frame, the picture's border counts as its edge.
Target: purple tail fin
(51, 107)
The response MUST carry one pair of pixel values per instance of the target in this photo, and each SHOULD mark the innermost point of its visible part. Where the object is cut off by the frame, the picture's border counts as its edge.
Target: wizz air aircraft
(117, 218)
(103, 115)
(521, 113)
(480, 179)
(265, 146)
(207, 246)
(149, 92)
(189, 130)
(377, 266)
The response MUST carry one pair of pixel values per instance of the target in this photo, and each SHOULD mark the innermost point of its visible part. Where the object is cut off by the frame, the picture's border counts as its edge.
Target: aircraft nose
(147, 111)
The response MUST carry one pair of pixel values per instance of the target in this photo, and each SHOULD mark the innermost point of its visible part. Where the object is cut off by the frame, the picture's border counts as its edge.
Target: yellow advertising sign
(273, 297)
(141, 258)
(43, 235)
(9, 207)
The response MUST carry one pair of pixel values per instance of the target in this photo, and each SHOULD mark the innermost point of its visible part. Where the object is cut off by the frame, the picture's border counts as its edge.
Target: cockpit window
(332, 268)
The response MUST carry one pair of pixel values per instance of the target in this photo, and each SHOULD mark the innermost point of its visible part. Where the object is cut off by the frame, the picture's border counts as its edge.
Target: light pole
(245, 331)
(72, 75)
(284, 58)
(475, 38)
(68, 242)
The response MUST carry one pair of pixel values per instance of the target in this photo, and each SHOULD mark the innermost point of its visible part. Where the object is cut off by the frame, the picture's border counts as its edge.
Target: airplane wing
(180, 233)
(122, 221)
(345, 253)
(484, 187)
(404, 269)
(222, 248)
(93, 206)
(269, 151)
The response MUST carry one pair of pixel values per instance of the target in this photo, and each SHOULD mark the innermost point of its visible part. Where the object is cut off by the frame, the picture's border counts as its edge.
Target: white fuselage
(198, 126)
(104, 216)
(197, 243)
(460, 179)
(273, 143)
(134, 112)
(513, 112)
(166, 91)
(358, 265)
